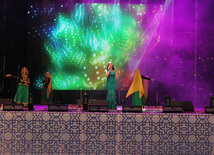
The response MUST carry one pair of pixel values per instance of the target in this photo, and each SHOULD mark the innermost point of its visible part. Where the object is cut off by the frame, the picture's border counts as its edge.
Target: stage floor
(41, 132)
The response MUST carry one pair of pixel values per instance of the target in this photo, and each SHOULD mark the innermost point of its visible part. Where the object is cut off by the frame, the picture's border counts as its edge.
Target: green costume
(22, 93)
(136, 89)
(111, 90)
(45, 99)
(136, 100)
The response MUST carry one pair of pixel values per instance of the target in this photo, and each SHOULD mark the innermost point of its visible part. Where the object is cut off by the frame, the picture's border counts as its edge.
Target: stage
(42, 132)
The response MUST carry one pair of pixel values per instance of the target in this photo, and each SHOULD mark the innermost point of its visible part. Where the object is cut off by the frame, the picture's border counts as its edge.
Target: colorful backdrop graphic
(80, 41)
(170, 41)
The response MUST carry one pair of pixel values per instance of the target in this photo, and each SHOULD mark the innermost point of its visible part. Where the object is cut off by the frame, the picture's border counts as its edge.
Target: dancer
(22, 93)
(137, 89)
(111, 85)
(47, 91)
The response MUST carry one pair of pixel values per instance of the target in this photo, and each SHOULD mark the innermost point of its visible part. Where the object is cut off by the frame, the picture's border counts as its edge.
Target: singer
(111, 85)
(22, 93)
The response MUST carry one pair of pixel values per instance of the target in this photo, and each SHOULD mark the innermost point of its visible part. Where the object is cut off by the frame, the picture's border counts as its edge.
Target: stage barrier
(34, 132)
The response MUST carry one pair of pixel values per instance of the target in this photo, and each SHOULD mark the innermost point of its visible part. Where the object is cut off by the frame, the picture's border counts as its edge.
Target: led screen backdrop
(77, 40)
(170, 41)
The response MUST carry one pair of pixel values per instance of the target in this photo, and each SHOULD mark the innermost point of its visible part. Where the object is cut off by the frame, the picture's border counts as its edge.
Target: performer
(111, 85)
(137, 89)
(22, 93)
(47, 91)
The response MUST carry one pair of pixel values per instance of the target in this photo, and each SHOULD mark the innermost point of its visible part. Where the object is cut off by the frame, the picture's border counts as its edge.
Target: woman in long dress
(111, 84)
(47, 91)
(22, 93)
(137, 89)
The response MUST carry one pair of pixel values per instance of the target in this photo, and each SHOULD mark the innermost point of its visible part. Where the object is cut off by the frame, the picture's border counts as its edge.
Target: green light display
(82, 43)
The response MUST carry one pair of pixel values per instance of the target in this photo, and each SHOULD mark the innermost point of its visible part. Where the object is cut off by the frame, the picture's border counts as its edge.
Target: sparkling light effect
(79, 44)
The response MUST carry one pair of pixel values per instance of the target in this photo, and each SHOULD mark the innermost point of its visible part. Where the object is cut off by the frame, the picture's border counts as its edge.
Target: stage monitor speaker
(97, 108)
(210, 109)
(13, 107)
(186, 105)
(134, 109)
(57, 107)
(103, 108)
(172, 109)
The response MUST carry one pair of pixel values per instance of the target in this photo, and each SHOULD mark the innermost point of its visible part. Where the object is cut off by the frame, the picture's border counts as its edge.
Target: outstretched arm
(9, 75)
(143, 77)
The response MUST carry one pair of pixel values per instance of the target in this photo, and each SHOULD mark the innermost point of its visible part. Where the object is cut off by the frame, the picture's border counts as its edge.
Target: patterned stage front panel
(105, 133)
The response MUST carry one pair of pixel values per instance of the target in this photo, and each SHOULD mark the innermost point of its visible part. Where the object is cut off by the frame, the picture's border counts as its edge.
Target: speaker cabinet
(172, 109)
(134, 109)
(212, 101)
(58, 107)
(98, 108)
(210, 109)
(13, 107)
(85, 101)
(186, 105)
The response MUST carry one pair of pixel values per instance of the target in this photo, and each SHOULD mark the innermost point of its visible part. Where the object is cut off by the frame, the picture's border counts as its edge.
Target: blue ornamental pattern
(105, 133)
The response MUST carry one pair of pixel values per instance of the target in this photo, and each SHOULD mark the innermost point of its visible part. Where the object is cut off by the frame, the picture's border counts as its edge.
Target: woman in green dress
(137, 89)
(22, 93)
(111, 86)
(47, 91)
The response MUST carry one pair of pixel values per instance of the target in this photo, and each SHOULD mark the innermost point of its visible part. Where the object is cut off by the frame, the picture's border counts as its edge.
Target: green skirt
(136, 100)
(46, 100)
(22, 95)
(112, 100)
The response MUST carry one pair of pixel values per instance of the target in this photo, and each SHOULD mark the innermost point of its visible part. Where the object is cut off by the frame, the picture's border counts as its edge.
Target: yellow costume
(47, 91)
(136, 89)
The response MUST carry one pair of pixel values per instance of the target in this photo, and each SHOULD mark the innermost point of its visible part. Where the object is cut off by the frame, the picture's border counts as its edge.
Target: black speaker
(57, 107)
(212, 101)
(93, 108)
(30, 103)
(172, 109)
(97, 108)
(13, 107)
(134, 109)
(186, 105)
(85, 101)
(210, 109)
(103, 108)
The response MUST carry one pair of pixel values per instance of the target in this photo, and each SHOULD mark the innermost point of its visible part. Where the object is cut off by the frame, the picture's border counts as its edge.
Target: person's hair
(112, 66)
(24, 68)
